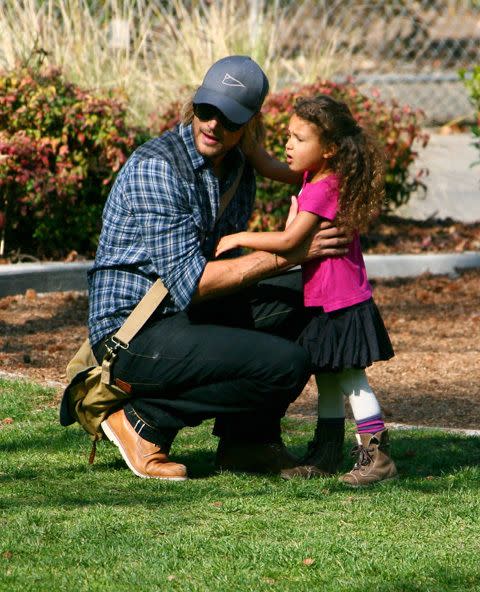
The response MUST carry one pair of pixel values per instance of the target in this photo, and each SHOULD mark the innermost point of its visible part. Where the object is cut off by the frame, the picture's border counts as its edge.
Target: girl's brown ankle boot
(373, 461)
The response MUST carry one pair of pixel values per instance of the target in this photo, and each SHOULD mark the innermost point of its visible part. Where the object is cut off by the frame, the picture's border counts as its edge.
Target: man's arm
(229, 275)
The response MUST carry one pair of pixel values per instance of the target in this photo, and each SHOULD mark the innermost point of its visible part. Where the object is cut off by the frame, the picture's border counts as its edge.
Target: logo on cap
(231, 81)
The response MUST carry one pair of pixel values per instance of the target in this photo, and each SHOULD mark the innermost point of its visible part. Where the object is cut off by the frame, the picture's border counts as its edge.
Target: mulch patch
(392, 234)
(434, 324)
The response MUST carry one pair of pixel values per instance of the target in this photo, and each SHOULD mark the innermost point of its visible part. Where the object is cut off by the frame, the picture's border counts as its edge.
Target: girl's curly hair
(358, 160)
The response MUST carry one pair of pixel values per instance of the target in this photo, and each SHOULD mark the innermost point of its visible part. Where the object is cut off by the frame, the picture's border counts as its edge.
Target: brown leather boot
(143, 458)
(324, 454)
(269, 458)
(373, 463)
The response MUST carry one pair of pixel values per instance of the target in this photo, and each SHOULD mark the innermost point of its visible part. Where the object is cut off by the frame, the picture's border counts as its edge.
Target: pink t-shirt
(336, 282)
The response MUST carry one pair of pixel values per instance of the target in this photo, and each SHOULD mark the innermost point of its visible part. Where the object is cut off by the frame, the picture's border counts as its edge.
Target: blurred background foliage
(83, 82)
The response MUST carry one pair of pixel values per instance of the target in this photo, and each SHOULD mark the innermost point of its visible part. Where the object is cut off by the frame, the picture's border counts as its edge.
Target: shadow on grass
(417, 454)
(200, 462)
(441, 579)
(424, 453)
(424, 460)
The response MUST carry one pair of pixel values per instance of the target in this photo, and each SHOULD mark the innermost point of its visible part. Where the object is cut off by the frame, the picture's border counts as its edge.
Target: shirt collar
(186, 132)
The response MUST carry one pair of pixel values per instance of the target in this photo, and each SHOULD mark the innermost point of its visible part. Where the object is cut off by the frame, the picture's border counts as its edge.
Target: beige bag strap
(132, 325)
(141, 313)
(226, 197)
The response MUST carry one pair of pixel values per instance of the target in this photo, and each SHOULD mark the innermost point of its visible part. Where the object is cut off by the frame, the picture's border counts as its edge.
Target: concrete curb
(405, 426)
(59, 277)
(23, 377)
(384, 266)
(399, 426)
(43, 277)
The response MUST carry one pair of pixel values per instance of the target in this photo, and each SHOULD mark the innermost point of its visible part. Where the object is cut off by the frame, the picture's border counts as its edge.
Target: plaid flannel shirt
(155, 224)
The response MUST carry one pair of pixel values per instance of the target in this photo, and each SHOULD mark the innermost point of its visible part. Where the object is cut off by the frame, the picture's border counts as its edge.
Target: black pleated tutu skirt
(352, 337)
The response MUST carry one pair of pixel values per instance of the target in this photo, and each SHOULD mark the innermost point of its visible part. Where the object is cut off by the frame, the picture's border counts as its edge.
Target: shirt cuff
(183, 280)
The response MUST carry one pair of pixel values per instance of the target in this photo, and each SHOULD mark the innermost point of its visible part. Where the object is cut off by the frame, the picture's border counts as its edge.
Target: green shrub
(472, 83)
(60, 147)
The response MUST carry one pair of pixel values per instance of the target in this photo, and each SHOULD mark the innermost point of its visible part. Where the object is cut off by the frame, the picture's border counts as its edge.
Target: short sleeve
(320, 198)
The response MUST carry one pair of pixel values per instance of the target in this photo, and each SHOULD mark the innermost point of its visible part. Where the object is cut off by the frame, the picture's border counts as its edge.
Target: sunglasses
(206, 112)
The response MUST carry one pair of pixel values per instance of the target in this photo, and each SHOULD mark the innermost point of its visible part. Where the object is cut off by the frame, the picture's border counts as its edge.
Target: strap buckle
(118, 343)
(107, 364)
(110, 357)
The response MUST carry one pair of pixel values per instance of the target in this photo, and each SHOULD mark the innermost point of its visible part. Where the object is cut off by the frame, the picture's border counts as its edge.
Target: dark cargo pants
(232, 358)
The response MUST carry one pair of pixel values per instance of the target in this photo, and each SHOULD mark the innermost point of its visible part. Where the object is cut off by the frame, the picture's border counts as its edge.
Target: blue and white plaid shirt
(155, 224)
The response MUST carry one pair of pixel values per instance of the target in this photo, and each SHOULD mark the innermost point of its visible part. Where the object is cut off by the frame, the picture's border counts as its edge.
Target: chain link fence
(411, 51)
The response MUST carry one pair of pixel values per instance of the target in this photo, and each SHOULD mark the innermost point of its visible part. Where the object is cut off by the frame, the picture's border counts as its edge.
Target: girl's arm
(304, 224)
(272, 168)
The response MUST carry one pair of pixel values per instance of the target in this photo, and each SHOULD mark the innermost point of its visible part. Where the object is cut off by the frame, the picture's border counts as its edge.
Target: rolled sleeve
(160, 202)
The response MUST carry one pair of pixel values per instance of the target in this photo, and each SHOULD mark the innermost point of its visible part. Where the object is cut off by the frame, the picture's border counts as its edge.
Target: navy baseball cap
(236, 85)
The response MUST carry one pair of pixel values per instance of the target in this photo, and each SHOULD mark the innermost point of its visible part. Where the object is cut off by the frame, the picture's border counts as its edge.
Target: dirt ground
(434, 324)
(392, 234)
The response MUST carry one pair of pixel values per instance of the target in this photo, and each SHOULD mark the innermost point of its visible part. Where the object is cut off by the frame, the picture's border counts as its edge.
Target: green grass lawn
(65, 525)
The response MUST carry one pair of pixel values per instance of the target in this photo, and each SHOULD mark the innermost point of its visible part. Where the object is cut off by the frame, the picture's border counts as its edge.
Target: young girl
(343, 180)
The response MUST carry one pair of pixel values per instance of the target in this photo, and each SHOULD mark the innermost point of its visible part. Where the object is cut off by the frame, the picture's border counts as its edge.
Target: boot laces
(364, 455)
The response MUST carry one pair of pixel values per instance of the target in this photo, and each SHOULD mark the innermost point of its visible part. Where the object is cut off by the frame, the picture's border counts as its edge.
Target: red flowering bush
(395, 127)
(60, 147)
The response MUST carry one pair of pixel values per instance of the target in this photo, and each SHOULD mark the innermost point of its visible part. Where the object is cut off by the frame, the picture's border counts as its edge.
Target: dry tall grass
(151, 54)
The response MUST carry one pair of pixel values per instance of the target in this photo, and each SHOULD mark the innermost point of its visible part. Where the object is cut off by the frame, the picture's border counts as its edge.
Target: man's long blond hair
(254, 131)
